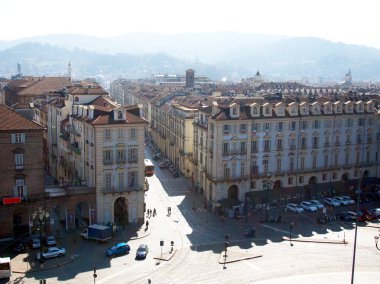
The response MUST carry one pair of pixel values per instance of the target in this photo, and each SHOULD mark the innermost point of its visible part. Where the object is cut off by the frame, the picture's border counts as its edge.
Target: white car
(331, 202)
(375, 211)
(317, 203)
(36, 243)
(308, 206)
(349, 200)
(294, 208)
(341, 200)
(51, 252)
(50, 240)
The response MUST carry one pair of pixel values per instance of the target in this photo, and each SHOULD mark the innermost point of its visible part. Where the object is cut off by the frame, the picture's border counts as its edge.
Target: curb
(71, 259)
(135, 238)
(316, 241)
(239, 259)
(168, 258)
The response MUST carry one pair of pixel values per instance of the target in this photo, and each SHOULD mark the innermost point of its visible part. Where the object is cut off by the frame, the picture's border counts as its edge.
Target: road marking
(274, 228)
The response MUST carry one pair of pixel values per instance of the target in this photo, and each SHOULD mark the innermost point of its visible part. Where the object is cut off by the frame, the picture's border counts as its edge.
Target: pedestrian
(147, 224)
(149, 212)
(154, 212)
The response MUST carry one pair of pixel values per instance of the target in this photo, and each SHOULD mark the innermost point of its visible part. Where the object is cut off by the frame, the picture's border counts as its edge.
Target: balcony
(303, 147)
(337, 143)
(228, 178)
(279, 173)
(292, 147)
(359, 141)
(315, 146)
(348, 143)
(327, 144)
(108, 162)
(280, 148)
(254, 150)
(120, 160)
(266, 149)
(134, 187)
(132, 160)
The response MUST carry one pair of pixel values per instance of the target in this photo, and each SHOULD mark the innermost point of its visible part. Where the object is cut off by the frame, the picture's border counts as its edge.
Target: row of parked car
(123, 248)
(314, 205)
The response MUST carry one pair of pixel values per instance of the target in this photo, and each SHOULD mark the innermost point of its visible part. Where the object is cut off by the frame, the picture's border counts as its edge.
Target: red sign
(11, 200)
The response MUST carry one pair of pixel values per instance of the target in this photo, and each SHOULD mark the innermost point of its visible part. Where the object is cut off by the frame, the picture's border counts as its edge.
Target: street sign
(11, 200)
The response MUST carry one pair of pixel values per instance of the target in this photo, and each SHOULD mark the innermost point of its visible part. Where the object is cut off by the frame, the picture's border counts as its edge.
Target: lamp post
(267, 184)
(358, 191)
(291, 225)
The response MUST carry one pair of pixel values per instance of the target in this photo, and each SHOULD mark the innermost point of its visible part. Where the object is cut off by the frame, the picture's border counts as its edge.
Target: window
(18, 138)
(350, 122)
(266, 145)
(368, 158)
(20, 188)
(336, 159)
(278, 166)
(335, 175)
(361, 121)
(324, 176)
(254, 167)
(133, 133)
(267, 110)
(315, 142)
(266, 166)
(107, 134)
(279, 144)
(290, 180)
(255, 110)
(132, 155)
(225, 148)
(253, 184)
(304, 125)
(255, 126)
(292, 142)
(348, 139)
(292, 125)
(370, 121)
(359, 138)
(326, 161)
(300, 179)
(234, 111)
(316, 124)
(279, 126)
(132, 178)
(120, 181)
(339, 123)
(120, 155)
(357, 160)
(226, 128)
(243, 128)
(119, 115)
(242, 169)
(303, 142)
(226, 170)
(107, 156)
(108, 181)
(120, 133)
(347, 159)
(243, 148)
(19, 161)
(291, 164)
(314, 161)
(267, 126)
(302, 163)
(254, 146)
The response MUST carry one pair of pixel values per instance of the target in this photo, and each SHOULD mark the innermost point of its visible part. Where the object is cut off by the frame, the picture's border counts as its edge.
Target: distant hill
(217, 55)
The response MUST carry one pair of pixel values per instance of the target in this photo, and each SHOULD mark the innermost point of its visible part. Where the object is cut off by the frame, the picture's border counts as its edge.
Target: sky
(349, 21)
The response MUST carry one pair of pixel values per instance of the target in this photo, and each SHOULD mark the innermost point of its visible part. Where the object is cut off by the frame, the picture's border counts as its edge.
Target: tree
(40, 219)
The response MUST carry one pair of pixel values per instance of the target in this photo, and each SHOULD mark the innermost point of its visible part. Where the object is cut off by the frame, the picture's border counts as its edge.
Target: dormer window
(293, 110)
(119, 115)
(255, 110)
(234, 111)
(267, 110)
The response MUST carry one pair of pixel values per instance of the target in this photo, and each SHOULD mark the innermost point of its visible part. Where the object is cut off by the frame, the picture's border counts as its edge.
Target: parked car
(308, 206)
(341, 200)
(118, 249)
(142, 251)
(376, 212)
(51, 252)
(36, 243)
(344, 216)
(348, 199)
(250, 233)
(317, 203)
(352, 214)
(332, 202)
(368, 215)
(50, 240)
(162, 165)
(294, 208)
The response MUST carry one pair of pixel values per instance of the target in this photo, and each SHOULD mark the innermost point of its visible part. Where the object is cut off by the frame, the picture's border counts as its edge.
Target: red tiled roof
(11, 120)
(45, 85)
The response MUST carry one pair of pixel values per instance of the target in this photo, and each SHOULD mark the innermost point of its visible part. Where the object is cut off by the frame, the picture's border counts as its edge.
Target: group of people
(151, 213)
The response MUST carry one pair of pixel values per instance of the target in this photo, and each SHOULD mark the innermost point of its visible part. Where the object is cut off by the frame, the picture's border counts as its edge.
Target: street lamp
(267, 185)
(358, 191)
(291, 225)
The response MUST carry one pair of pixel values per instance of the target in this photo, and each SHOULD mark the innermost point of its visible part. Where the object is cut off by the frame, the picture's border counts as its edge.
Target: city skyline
(353, 22)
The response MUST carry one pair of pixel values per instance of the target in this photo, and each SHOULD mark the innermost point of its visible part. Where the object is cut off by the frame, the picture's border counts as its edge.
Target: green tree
(40, 219)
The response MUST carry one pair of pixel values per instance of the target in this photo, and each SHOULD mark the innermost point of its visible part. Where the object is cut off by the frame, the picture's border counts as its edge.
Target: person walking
(154, 212)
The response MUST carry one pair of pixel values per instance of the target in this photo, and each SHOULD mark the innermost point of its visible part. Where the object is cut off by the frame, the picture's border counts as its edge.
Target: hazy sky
(338, 20)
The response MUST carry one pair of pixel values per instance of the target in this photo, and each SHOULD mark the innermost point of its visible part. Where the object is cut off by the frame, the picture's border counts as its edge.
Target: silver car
(142, 251)
(317, 203)
(294, 208)
(51, 252)
(308, 206)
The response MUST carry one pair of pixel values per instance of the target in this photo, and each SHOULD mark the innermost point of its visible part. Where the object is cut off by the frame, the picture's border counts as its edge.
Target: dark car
(142, 251)
(119, 249)
(251, 232)
(344, 216)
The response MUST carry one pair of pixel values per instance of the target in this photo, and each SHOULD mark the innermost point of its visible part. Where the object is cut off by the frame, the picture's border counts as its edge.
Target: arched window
(267, 110)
